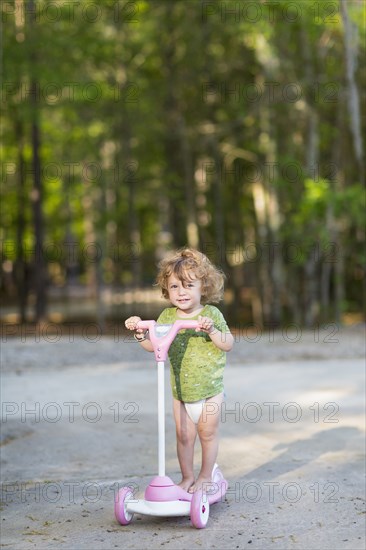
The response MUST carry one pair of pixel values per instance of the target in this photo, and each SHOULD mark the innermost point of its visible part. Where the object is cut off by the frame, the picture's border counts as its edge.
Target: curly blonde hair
(185, 261)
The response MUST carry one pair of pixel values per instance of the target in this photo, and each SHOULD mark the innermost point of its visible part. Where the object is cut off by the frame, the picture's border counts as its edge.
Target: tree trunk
(272, 254)
(21, 278)
(189, 186)
(339, 290)
(350, 43)
(328, 268)
(311, 306)
(263, 282)
(311, 287)
(218, 202)
(91, 245)
(39, 267)
(275, 257)
(172, 140)
(39, 271)
(134, 245)
(311, 302)
(325, 265)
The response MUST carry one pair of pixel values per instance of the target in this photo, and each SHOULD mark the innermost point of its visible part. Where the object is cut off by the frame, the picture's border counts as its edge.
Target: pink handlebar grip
(147, 325)
(161, 344)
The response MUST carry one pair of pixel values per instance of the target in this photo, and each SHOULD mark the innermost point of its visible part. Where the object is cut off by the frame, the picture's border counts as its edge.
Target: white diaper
(195, 409)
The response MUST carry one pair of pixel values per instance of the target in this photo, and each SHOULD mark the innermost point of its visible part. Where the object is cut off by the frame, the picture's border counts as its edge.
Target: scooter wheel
(200, 509)
(120, 506)
(217, 475)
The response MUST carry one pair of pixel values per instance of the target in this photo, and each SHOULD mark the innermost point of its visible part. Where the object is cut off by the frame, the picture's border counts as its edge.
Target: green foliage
(154, 114)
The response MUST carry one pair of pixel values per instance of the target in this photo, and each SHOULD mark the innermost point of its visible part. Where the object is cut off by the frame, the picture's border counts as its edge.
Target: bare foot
(186, 483)
(204, 483)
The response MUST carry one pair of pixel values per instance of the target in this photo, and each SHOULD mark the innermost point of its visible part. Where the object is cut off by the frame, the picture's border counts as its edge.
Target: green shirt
(196, 364)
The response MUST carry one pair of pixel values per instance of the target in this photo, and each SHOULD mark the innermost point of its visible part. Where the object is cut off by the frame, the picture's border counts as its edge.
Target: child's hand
(206, 324)
(131, 323)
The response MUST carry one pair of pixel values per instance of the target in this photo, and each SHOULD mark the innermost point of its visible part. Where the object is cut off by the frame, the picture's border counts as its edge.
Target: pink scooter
(162, 496)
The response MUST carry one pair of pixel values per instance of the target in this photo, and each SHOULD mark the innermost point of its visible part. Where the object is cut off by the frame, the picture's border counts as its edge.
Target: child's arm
(223, 340)
(131, 324)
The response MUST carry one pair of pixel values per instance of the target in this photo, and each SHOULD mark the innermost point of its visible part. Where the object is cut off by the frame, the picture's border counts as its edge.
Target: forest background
(133, 128)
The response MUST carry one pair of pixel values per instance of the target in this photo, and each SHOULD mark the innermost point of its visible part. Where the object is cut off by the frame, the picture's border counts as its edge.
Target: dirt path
(79, 421)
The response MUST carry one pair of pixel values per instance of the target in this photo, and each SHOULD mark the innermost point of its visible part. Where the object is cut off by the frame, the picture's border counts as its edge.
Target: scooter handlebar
(145, 325)
(180, 324)
(162, 342)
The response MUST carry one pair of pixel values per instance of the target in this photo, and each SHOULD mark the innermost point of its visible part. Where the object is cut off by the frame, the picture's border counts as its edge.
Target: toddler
(190, 282)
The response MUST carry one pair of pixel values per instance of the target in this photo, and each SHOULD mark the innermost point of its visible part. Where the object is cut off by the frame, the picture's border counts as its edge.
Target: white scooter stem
(161, 417)
(161, 346)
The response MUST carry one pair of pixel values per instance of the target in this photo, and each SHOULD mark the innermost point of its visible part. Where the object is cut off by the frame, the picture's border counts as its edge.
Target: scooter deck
(174, 508)
(164, 509)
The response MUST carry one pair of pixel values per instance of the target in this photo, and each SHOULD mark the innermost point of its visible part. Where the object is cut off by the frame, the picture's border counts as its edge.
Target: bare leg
(208, 431)
(186, 436)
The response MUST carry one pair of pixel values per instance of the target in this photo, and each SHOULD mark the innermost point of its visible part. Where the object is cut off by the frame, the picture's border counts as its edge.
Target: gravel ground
(79, 422)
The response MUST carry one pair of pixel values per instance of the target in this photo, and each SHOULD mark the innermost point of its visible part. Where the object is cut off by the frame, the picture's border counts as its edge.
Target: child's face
(185, 295)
